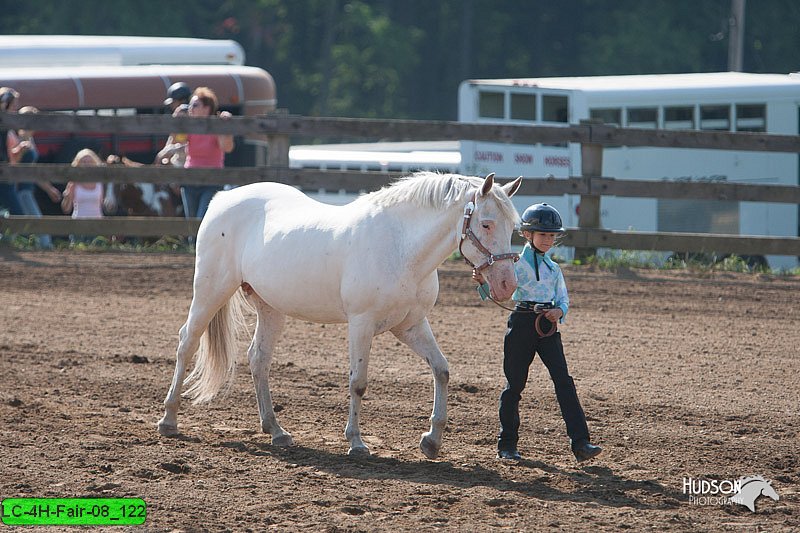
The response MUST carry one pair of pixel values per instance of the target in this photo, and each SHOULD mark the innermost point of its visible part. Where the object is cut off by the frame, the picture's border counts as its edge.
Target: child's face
(541, 240)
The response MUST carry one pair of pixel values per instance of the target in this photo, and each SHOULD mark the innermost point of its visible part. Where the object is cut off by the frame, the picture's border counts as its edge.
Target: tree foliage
(405, 58)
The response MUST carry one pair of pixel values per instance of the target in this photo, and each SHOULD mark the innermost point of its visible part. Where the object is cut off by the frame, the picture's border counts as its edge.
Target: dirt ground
(681, 375)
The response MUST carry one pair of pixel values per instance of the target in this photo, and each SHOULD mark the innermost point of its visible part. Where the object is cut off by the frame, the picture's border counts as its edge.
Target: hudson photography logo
(743, 491)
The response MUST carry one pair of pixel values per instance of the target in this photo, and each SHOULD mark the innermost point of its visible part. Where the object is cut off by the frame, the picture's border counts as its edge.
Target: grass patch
(612, 261)
(697, 263)
(102, 243)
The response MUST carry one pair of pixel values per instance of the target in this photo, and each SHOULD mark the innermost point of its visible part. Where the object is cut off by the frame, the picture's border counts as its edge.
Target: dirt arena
(680, 374)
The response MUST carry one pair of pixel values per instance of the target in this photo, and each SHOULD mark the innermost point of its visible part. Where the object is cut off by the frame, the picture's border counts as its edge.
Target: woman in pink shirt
(204, 151)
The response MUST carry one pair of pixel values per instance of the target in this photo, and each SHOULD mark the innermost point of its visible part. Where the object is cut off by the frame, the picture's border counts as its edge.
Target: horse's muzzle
(502, 289)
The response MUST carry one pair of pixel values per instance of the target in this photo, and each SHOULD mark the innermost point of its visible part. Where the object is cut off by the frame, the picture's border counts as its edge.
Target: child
(84, 199)
(540, 291)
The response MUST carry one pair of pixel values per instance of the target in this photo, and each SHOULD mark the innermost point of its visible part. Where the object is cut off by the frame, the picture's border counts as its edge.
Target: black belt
(536, 307)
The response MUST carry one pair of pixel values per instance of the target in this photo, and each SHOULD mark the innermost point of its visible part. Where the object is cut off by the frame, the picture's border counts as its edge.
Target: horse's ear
(487, 184)
(512, 187)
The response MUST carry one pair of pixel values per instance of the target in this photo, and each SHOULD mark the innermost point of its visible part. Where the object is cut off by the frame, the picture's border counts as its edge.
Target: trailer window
(679, 118)
(715, 117)
(751, 117)
(612, 117)
(643, 117)
(555, 108)
(523, 107)
(490, 105)
(698, 216)
(118, 112)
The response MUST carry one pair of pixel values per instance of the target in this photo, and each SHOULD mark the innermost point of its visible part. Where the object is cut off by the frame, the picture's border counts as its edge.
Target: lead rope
(537, 324)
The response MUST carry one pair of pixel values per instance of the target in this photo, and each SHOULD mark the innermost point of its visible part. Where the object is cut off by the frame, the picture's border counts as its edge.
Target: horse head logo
(751, 488)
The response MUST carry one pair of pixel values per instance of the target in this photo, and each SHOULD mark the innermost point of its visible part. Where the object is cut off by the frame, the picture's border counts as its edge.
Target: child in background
(84, 199)
(542, 301)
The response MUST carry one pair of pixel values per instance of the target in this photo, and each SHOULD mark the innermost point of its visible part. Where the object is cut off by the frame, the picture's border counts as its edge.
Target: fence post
(589, 208)
(278, 146)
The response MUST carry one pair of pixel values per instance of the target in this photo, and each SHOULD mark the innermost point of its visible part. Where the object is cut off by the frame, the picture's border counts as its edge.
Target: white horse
(371, 263)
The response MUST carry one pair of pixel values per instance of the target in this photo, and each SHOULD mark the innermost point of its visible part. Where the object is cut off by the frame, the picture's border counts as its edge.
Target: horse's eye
(485, 226)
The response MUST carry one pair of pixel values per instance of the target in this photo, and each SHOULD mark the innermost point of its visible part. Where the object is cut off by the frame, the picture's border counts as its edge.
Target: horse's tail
(215, 364)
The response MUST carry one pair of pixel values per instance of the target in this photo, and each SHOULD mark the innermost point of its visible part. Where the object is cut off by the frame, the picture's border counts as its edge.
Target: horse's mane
(431, 189)
(750, 479)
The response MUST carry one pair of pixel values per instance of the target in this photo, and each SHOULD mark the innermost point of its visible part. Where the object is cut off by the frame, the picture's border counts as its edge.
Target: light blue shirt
(550, 287)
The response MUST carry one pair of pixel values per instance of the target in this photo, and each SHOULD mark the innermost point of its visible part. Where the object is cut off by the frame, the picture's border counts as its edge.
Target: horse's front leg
(419, 338)
(360, 342)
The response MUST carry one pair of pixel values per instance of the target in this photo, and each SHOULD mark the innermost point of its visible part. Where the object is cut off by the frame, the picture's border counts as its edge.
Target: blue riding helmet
(542, 217)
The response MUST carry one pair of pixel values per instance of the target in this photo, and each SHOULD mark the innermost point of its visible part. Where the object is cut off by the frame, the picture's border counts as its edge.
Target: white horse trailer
(22, 51)
(727, 101)
(404, 157)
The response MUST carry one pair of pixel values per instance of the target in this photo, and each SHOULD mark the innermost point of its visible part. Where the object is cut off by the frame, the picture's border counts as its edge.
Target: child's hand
(54, 194)
(478, 277)
(553, 315)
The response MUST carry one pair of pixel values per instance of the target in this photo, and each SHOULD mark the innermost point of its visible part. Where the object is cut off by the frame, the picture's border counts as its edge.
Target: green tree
(406, 58)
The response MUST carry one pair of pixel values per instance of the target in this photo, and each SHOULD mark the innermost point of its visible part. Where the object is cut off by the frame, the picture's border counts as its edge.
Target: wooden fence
(277, 129)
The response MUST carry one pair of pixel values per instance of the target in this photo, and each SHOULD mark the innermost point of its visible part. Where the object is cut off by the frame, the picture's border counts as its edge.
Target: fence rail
(404, 130)
(278, 128)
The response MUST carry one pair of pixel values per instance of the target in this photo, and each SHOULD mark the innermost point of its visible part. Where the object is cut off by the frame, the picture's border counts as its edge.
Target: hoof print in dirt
(176, 468)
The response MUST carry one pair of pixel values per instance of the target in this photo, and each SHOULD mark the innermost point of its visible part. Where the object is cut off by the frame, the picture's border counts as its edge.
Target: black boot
(584, 451)
(510, 455)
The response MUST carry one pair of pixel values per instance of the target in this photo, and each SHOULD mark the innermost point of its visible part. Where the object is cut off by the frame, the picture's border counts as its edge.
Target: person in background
(204, 151)
(174, 151)
(9, 199)
(177, 94)
(22, 149)
(84, 199)
(542, 302)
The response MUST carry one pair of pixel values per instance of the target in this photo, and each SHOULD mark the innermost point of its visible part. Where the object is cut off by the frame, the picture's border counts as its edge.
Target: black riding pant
(520, 345)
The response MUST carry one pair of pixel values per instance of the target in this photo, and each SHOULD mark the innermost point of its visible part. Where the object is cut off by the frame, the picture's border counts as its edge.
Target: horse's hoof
(358, 451)
(428, 447)
(283, 441)
(167, 430)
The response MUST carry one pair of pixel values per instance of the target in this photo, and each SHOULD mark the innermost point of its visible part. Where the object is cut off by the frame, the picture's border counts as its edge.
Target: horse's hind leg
(419, 338)
(207, 300)
(187, 346)
(268, 330)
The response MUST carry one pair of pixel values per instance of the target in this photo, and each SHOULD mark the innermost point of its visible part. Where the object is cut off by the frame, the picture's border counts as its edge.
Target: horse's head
(751, 488)
(489, 220)
(764, 486)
